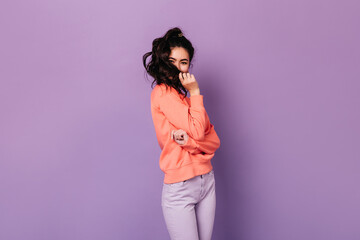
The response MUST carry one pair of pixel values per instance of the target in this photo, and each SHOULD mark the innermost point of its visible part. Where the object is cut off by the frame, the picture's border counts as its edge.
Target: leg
(205, 208)
(179, 211)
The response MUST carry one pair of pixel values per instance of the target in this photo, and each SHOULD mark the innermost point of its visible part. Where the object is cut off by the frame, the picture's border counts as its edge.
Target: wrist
(195, 92)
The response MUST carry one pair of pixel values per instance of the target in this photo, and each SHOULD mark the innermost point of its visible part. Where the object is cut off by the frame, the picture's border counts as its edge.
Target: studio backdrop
(79, 158)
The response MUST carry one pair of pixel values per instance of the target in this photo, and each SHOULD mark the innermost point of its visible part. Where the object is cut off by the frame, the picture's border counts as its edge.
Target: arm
(191, 119)
(208, 145)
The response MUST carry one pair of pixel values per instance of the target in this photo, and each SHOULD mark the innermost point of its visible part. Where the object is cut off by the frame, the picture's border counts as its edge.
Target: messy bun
(160, 68)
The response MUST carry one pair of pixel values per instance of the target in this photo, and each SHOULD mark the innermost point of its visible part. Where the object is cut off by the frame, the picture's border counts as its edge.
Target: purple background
(78, 150)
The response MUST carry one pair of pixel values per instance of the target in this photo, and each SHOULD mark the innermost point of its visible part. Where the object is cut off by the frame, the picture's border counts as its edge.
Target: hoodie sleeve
(208, 145)
(191, 119)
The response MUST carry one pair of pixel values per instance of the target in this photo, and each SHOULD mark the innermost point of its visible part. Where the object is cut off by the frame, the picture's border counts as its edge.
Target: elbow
(218, 141)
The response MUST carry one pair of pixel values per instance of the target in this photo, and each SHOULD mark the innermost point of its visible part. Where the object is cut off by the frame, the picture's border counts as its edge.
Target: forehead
(179, 53)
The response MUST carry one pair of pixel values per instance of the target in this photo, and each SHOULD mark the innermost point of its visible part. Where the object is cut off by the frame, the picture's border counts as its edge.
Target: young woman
(186, 137)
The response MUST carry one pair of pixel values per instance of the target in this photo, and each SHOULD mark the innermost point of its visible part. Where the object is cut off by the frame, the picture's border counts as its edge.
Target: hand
(189, 82)
(179, 136)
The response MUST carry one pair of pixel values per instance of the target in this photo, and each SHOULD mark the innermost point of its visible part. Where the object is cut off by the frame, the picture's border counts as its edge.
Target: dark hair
(160, 68)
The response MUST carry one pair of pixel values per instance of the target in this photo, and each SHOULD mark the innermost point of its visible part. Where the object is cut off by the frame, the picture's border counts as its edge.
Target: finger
(179, 137)
(176, 134)
(180, 132)
(183, 132)
(182, 75)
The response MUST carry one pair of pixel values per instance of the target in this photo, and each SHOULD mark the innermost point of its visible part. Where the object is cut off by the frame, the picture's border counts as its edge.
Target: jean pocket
(176, 184)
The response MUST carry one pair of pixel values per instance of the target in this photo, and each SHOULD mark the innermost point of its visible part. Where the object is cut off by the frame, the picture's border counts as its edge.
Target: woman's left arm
(208, 145)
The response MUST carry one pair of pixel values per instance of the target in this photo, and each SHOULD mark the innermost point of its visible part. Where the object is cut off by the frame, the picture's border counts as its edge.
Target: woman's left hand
(179, 136)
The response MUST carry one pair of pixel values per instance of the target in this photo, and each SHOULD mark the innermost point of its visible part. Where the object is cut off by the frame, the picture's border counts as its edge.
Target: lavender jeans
(189, 207)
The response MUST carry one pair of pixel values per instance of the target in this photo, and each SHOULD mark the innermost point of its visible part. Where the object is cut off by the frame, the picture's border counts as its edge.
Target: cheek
(185, 68)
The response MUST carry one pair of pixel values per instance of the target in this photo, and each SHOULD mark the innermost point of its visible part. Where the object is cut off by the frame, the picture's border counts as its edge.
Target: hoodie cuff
(197, 100)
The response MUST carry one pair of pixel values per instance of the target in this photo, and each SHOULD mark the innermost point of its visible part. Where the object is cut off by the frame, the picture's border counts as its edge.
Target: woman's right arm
(191, 119)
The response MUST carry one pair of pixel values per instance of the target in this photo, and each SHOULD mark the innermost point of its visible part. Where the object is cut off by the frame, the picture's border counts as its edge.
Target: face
(180, 58)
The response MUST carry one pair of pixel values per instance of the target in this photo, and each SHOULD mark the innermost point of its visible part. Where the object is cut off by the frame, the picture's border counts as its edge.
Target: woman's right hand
(189, 82)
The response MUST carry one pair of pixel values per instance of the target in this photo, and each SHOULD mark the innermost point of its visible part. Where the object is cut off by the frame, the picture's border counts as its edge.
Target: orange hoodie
(170, 112)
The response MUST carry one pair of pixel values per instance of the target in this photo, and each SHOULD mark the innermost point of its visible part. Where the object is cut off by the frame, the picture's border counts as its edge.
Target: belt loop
(201, 176)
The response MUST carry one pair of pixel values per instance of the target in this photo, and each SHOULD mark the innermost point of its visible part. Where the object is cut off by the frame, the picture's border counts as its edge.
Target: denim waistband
(202, 174)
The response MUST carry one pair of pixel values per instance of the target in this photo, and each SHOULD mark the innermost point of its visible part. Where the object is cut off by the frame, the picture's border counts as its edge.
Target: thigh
(178, 207)
(205, 209)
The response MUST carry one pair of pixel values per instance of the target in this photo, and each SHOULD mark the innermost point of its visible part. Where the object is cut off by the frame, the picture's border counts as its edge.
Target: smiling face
(180, 58)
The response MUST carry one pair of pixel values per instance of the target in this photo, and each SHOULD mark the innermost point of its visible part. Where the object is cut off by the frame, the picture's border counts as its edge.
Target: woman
(186, 137)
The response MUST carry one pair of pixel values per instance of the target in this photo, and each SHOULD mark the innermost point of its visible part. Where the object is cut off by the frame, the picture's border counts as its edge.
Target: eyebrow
(180, 60)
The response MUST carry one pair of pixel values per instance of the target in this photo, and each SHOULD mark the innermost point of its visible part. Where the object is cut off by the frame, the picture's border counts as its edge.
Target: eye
(184, 63)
